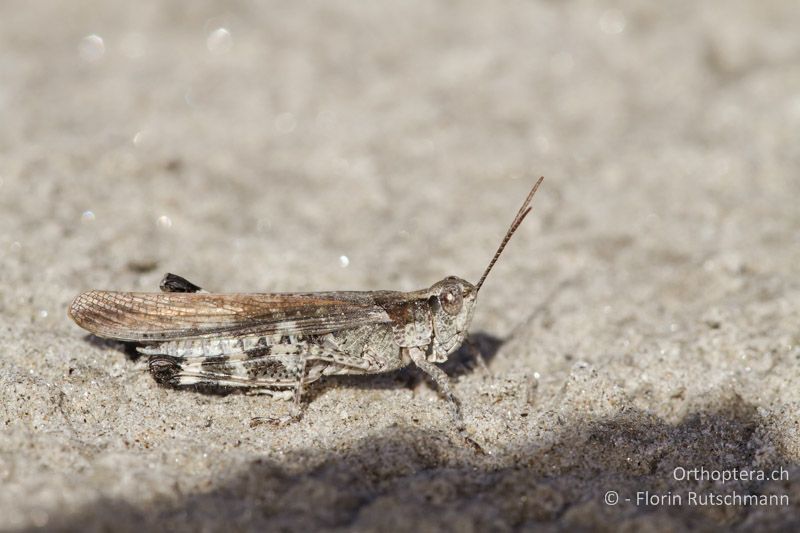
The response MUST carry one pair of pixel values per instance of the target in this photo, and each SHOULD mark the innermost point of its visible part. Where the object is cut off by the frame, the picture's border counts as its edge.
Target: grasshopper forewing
(278, 343)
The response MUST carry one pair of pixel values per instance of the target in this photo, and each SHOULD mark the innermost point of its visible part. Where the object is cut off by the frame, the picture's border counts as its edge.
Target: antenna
(521, 214)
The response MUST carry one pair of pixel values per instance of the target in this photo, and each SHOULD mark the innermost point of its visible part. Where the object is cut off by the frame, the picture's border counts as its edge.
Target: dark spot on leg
(267, 368)
(219, 367)
(258, 352)
(215, 360)
(173, 283)
(164, 369)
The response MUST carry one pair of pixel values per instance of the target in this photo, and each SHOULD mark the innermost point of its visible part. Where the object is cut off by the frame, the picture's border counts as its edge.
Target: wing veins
(167, 316)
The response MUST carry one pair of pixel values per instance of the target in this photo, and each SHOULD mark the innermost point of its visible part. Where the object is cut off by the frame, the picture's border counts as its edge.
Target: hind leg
(172, 283)
(259, 375)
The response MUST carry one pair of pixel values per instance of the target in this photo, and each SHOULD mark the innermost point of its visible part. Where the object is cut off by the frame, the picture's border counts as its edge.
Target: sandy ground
(645, 318)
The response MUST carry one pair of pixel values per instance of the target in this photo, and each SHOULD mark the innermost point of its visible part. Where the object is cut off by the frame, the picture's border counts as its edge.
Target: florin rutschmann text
(712, 496)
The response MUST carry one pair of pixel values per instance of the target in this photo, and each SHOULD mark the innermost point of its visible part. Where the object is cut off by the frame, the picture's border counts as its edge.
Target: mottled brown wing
(134, 316)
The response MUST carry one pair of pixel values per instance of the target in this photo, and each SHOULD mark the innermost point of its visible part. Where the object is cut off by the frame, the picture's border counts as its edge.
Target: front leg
(438, 375)
(443, 383)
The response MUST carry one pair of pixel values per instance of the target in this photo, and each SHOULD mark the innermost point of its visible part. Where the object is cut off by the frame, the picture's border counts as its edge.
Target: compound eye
(451, 300)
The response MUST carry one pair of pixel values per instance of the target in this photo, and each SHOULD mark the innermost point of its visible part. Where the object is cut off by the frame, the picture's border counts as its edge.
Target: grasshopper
(278, 343)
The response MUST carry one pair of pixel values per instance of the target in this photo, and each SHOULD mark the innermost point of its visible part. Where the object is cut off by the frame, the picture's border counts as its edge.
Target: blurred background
(285, 146)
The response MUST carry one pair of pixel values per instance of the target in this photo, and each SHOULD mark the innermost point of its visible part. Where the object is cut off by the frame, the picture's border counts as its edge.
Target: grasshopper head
(452, 302)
